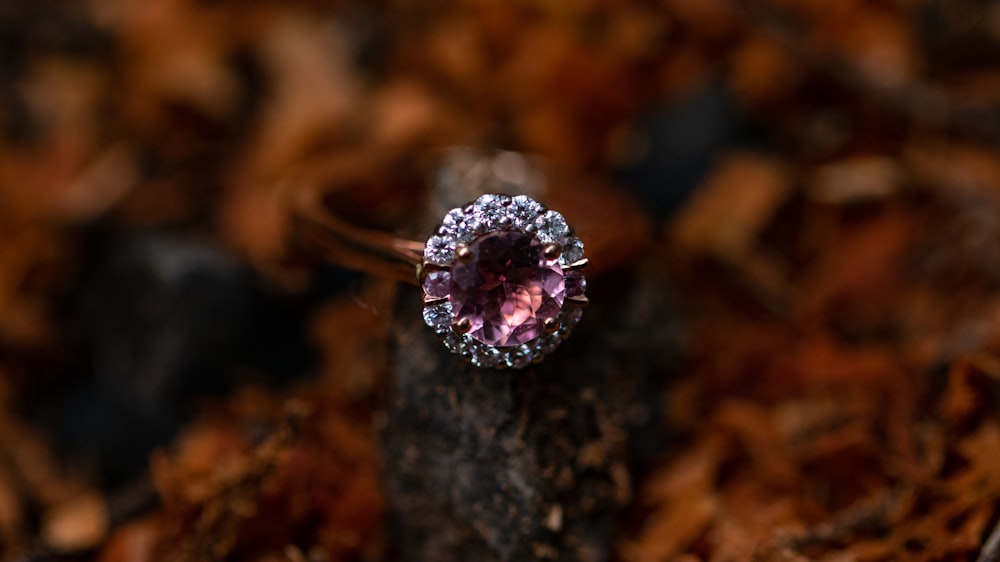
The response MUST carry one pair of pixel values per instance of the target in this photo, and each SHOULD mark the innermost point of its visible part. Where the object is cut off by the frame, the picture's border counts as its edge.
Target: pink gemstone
(508, 289)
(437, 284)
(576, 284)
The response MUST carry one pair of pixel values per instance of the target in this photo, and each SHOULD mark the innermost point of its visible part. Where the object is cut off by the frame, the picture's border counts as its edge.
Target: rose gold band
(611, 226)
(318, 231)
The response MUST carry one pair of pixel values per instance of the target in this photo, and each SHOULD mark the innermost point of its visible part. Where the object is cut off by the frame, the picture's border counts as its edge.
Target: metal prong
(577, 265)
(550, 325)
(464, 253)
(429, 300)
(552, 251)
(579, 300)
(461, 326)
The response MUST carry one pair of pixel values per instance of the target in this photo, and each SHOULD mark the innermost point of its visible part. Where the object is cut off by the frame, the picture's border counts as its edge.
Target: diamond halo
(502, 281)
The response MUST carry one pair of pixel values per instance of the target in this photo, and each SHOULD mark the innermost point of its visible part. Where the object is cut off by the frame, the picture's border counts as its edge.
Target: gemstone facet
(508, 289)
(437, 284)
(576, 285)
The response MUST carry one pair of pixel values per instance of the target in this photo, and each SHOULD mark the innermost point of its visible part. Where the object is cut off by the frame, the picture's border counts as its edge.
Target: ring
(502, 280)
(502, 276)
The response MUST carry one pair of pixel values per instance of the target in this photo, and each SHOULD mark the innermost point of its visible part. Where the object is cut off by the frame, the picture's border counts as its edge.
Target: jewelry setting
(502, 276)
(502, 280)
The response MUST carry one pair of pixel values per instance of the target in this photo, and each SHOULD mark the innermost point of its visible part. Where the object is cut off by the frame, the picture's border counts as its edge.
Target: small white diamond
(491, 210)
(520, 357)
(524, 211)
(485, 356)
(460, 344)
(552, 227)
(572, 251)
(460, 225)
(547, 344)
(454, 218)
(440, 250)
(438, 316)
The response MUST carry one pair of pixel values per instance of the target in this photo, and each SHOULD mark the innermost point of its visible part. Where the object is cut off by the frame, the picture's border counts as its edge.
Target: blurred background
(823, 181)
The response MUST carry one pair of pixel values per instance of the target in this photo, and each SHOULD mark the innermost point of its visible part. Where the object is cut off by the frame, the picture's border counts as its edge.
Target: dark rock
(491, 465)
(677, 143)
(162, 319)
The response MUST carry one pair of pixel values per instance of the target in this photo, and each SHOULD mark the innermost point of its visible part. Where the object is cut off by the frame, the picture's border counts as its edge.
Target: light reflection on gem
(508, 289)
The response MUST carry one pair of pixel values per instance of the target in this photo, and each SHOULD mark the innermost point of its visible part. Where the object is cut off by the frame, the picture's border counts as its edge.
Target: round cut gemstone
(507, 289)
(576, 284)
(437, 283)
(438, 316)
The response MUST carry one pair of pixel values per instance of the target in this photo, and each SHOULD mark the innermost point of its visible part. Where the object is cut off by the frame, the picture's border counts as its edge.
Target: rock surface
(491, 465)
